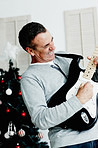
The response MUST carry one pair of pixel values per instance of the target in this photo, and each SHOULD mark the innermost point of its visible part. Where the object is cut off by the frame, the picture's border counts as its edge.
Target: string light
(20, 92)
(19, 77)
(23, 114)
(18, 146)
(7, 110)
(2, 81)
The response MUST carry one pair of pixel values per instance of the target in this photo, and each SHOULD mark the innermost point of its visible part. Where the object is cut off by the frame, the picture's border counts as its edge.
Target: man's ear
(30, 51)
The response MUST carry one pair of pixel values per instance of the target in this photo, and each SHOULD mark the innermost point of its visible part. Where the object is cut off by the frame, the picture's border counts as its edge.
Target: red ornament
(18, 146)
(23, 114)
(7, 110)
(19, 77)
(21, 133)
(40, 135)
(20, 92)
(2, 81)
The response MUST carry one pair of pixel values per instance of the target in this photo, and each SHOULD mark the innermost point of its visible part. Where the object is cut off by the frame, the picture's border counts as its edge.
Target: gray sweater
(38, 83)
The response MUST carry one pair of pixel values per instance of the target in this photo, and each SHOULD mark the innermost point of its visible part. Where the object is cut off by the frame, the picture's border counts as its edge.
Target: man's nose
(52, 47)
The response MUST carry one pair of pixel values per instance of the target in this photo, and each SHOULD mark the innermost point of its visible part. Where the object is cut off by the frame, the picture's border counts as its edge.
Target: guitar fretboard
(88, 74)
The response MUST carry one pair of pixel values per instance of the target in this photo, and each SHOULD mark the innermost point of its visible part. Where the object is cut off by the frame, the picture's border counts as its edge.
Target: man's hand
(95, 60)
(85, 92)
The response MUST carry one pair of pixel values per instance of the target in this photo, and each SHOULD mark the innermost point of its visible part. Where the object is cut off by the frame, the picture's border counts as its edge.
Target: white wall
(48, 12)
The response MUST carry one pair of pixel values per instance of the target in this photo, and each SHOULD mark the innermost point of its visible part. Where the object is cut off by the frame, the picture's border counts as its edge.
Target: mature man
(46, 74)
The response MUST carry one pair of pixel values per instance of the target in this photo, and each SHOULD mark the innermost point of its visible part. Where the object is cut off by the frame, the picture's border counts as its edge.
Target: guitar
(86, 117)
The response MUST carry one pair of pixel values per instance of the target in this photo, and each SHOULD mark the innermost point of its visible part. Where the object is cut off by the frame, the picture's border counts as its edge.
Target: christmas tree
(16, 128)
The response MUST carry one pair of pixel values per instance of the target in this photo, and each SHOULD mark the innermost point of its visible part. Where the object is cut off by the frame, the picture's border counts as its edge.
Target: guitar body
(86, 117)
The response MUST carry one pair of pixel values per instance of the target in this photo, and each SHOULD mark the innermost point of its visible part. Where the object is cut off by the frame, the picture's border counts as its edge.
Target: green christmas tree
(16, 128)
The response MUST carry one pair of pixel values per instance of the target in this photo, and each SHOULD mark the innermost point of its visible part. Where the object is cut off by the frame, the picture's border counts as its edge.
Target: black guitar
(83, 119)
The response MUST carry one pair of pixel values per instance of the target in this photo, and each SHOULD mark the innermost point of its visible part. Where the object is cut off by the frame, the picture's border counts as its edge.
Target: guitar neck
(88, 74)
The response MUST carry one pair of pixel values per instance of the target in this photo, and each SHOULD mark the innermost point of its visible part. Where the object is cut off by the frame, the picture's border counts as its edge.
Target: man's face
(44, 51)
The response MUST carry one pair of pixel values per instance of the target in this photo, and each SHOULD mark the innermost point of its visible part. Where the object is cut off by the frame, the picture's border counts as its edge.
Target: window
(81, 32)
(9, 29)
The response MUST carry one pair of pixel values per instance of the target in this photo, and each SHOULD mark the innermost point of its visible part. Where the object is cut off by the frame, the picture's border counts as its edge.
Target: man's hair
(28, 33)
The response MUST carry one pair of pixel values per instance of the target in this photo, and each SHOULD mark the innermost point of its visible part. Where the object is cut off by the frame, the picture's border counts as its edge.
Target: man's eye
(46, 46)
(49, 43)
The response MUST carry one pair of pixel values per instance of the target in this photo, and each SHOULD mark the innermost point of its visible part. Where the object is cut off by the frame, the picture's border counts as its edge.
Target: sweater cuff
(75, 104)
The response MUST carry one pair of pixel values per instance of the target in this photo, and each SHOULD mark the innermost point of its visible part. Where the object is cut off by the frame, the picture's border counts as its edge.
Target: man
(46, 74)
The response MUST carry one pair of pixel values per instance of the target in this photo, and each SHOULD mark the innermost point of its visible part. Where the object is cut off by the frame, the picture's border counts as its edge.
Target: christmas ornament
(21, 133)
(11, 130)
(7, 110)
(40, 135)
(23, 114)
(2, 81)
(17, 145)
(8, 91)
(6, 135)
(0, 102)
(19, 77)
(20, 92)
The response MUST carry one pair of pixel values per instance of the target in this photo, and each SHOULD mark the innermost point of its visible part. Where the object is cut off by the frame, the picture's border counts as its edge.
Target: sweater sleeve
(42, 116)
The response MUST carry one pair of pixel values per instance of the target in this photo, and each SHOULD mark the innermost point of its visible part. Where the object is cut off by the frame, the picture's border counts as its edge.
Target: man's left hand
(95, 60)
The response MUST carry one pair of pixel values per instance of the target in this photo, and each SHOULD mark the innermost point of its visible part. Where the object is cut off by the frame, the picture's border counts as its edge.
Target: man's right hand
(85, 92)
